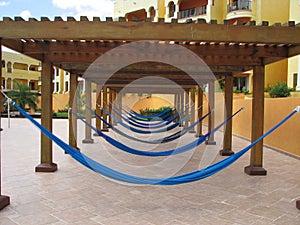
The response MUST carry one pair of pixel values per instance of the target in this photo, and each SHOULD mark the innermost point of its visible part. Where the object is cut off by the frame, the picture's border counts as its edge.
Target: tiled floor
(76, 195)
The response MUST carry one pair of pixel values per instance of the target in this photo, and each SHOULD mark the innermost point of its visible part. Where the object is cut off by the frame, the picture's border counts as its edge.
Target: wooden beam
(256, 157)
(122, 59)
(44, 47)
(46, 164)
(89, 30)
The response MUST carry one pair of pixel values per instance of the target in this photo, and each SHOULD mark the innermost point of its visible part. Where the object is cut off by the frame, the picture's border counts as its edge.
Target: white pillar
(298, 75)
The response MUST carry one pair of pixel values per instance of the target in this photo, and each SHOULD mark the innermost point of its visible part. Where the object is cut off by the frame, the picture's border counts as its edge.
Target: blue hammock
(144, 117)
(137, 123)
(181, 179)
(144, 131)
(175, 151)
(143, 124)
(157, 141)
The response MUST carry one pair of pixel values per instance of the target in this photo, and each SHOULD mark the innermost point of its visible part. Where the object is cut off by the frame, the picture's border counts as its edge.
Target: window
(295, 80)
(3, 63)
(172, 8)
(3, 83)
(9, 70)
(57, 87)
(66, 86)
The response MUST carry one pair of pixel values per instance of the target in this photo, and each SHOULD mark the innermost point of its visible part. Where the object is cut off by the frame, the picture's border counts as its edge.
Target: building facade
(27, 71)
(235, 11)
(20, 68)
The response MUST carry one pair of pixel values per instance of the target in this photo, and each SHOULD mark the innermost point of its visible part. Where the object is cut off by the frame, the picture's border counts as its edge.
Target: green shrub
(150, 112)
(280, 90)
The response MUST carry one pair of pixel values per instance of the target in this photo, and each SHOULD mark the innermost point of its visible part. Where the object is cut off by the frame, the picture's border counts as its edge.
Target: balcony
(193, 13)
(239, 9)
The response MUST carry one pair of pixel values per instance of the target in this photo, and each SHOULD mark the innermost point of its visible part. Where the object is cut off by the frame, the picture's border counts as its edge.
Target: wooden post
(4, 200)
(298, 204)
(227, 141)
(187, 104)
(88, 115)
(46, 164)
(192, 119)
(113, 105)
(110, 102)
(105, 128)
(176, 105)
(200, 111)
(98, 110)
(182, 106)
(211, 118)
(73, 105)
(256, 157)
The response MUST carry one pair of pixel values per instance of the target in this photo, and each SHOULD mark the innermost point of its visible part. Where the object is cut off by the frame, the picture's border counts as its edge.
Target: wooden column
(73, 105)
(110, 102)
(200, 111)
(182, 106)
(114, 104)
(179, 107)
(88, 115)
(46, 164)
(256, 157)
(192, 119)
(105, 128)
(187, 103)
(211, 106)
(176, 105)
(98, 110)
(227, 141)
(4, 200)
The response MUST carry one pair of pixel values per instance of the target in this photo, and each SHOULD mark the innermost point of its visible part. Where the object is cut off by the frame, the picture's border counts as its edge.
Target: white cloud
(90, 8)
(3, 3)
(25, 14)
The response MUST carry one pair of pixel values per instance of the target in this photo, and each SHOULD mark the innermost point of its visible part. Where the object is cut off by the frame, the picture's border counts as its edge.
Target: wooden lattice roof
(73, 45)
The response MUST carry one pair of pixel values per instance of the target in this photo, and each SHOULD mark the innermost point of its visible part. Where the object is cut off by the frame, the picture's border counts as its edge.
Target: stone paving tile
(75, 195)
(6, 221)
(40, 218)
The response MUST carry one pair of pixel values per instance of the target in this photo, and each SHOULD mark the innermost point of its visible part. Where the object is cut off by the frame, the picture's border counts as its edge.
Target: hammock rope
(136, 123)
(175, 151)
(144, 131)
(181, 179)
(140, 124)
(157, 141)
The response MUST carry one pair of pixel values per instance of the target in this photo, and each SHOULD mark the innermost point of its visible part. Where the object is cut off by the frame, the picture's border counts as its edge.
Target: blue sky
(52, 8)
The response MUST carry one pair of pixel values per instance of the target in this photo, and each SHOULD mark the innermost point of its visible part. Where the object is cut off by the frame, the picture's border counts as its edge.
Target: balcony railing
(239, 5)
(192, 12)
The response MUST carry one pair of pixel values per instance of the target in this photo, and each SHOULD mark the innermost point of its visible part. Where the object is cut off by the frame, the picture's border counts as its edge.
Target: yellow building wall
(161, 9)
(286, 138)
(292, 68)
(218, 10)
(276, 72)
(274, 11)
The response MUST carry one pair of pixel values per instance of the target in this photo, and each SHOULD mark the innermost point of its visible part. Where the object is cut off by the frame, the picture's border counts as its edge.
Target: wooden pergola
(227, 49)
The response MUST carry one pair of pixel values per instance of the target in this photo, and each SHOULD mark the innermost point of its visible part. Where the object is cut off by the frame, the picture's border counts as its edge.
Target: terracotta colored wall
(286, 138)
